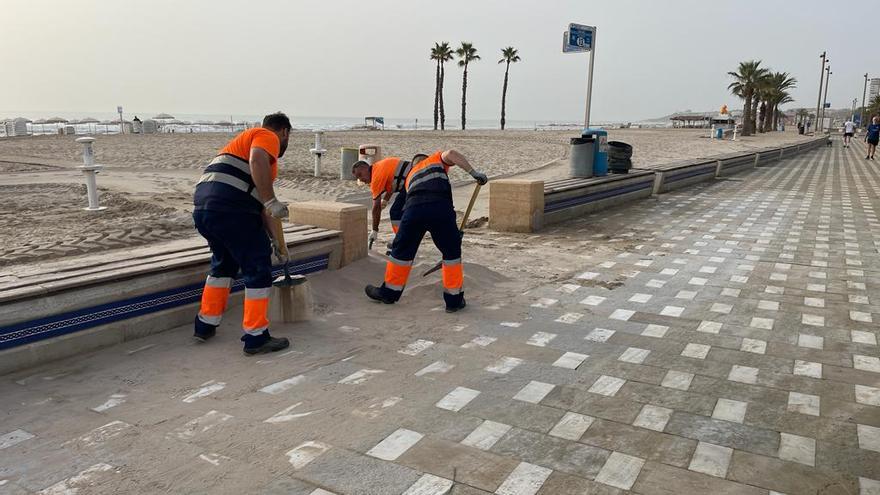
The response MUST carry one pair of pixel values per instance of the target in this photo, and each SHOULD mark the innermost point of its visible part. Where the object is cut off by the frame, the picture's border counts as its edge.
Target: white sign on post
(579, 39)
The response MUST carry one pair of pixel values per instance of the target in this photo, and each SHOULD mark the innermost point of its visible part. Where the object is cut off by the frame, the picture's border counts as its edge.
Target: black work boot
(203, 331)
(457, 307)
(375, 293)
(263, 343)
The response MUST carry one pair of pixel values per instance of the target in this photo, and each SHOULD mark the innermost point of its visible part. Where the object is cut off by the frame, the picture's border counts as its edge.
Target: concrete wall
(599, 195)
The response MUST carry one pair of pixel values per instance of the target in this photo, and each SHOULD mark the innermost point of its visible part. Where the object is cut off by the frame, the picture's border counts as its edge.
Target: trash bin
(600, 150)
(719, 133)
(370, 153)
(349, 157)
(619, 157)
(581, 158)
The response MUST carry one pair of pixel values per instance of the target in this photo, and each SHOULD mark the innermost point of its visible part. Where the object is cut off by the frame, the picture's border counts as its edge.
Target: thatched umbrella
(163, 116)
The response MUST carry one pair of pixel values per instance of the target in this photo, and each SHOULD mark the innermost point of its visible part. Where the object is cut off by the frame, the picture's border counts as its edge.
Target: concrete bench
(519, 205)
(70, 306)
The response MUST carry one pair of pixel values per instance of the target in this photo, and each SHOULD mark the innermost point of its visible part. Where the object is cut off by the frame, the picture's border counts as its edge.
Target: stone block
(350, 219)
(516, 205)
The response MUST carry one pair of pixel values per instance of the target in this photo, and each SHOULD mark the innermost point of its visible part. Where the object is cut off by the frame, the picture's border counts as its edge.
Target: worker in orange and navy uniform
(231, 199)
(428, 208)
(386, 177)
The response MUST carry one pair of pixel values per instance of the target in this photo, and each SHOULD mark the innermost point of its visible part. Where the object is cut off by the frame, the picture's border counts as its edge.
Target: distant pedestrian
(872, 137)
(849, 128)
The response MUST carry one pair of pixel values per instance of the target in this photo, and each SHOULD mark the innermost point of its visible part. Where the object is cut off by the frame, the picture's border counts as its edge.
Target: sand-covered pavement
(148, 180)
(717, 339)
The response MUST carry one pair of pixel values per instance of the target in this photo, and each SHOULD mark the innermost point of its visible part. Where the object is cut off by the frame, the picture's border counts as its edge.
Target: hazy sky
(359, 57)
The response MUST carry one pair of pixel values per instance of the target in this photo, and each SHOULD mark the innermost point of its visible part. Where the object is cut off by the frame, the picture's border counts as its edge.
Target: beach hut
(17, 127)
(374, 122)
(691, 121)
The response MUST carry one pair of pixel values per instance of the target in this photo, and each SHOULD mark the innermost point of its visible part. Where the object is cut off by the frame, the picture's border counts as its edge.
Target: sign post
(580, 38)
(121, 122)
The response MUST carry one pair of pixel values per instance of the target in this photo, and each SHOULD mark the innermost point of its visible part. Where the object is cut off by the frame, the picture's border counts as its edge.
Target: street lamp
(825, 98)
(864, 93)
(821, 78)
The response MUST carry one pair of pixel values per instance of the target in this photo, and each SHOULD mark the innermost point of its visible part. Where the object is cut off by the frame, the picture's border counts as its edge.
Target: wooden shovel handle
(277, 230)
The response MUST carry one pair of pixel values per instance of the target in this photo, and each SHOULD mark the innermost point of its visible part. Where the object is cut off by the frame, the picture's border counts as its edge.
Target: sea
(108, 123)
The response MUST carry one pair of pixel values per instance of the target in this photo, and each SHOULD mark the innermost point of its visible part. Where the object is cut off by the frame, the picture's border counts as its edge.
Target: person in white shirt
(848, 130)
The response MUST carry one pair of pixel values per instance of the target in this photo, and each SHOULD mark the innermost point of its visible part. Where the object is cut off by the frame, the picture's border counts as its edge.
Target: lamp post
(864, 93)
(825, 98)
(821, 78)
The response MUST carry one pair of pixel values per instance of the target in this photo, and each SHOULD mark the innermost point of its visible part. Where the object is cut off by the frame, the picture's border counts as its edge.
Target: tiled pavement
(729, 346)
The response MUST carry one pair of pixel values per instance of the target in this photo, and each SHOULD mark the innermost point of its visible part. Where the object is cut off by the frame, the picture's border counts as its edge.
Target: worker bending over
(386, 177)
(427, 208)
(231, 199)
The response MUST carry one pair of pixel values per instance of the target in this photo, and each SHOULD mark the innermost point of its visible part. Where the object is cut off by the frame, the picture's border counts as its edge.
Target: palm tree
(466, 54)
(779, 83)
(435, 55)
(445, 54)
(746, 80)
(509, 56)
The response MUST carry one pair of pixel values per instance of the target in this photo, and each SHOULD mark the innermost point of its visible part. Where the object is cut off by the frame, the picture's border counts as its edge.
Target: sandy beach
(148, 180)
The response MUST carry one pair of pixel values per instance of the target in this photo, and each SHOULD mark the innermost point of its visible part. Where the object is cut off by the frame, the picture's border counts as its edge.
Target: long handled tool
(467, 213)
(291, 293)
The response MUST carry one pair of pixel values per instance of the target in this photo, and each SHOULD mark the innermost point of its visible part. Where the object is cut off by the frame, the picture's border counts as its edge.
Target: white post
(318, 151)
(712, 132)
(91, 171)
(590, 78)
(735, 128)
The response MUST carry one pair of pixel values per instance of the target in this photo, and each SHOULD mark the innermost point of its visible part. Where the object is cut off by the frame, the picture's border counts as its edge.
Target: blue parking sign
(578, 38)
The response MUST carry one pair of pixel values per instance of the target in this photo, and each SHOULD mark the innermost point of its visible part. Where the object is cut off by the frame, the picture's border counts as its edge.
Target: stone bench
(69, 306)
(519, 205)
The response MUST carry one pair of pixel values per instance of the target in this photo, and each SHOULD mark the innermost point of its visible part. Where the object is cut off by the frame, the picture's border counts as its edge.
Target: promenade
(719, 339)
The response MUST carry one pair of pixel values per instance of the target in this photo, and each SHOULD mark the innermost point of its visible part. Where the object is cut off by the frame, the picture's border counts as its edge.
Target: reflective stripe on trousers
(256, 310)
(396, 273)
(453, 276)
(214, 298)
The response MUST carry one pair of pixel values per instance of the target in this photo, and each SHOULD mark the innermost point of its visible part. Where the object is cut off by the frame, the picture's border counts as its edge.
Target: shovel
(467, 213)
(289, 291)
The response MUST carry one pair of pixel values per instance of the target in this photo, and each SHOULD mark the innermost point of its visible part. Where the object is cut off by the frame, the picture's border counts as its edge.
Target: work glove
(373, 236)
(276, 209)
(480, 177)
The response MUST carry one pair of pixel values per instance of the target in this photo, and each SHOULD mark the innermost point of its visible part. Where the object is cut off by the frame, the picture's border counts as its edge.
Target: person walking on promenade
(849, 129)
(872, 137)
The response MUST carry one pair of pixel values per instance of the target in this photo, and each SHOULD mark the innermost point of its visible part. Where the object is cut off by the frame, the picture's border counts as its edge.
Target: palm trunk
(754, 114)
(437, 96)
(504, 96)
(747, 115)
(442, 109)
(464, 98)
(775, 117)
(768, 115)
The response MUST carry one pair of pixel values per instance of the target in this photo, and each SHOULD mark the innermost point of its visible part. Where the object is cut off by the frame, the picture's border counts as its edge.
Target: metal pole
(852, 116)
(590, 79)
(819, 100)
(864, 93)
(825, 98)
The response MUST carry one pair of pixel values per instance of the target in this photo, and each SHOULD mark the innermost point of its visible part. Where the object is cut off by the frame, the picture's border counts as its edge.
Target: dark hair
(359, 164)
(276, 121)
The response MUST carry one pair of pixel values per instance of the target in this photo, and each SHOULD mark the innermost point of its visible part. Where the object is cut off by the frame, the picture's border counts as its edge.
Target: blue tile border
(596, 196)
(81, 319)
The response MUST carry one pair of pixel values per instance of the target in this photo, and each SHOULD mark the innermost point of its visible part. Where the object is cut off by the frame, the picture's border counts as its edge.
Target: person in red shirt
(230, 200)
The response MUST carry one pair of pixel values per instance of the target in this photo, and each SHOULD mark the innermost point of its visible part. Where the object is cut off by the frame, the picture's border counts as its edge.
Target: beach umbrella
(89, 121)
(56, 120)
(163, 116)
